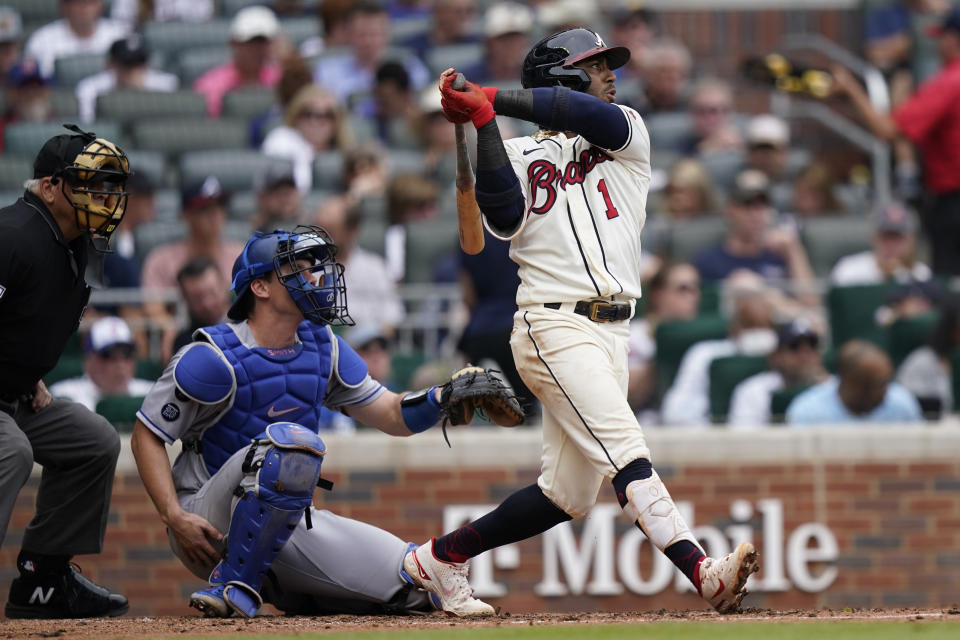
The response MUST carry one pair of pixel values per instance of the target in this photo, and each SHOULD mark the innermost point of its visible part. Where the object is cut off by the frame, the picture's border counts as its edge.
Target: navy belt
(597, 310)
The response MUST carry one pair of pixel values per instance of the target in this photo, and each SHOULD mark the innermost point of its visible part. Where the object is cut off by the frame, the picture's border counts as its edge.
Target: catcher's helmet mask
(96, 176)
(550, 62)
(317, 287)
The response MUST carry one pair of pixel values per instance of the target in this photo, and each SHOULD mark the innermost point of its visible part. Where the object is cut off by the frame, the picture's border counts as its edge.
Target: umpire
(52, 241)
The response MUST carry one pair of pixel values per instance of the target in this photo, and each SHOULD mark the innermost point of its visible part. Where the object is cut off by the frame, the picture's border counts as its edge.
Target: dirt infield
(281, 625)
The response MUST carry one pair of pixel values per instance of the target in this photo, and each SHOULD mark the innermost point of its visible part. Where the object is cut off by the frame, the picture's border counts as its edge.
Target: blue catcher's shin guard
(264, 520)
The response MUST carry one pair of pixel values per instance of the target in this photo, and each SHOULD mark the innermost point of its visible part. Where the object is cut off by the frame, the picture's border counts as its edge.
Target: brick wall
(890, 498)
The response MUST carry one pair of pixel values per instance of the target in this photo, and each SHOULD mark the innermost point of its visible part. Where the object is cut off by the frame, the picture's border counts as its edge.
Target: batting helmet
(550, 62)
(318, 289)
(96, 171)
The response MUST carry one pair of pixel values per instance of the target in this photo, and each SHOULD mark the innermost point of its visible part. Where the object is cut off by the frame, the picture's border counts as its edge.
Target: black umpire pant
(78, 451)
(941, 217)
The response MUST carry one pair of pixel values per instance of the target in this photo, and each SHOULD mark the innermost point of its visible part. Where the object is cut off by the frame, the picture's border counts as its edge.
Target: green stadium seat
(328, 170)
(458, 56)
(153, 234)
(15, 170)
(403, 366)
(72, 69)
(405, 161)
(298, 29)
(851, 312)
(955, 377)
(674, 338)
(230, 7)
(402, 29)
(725, 374)
(178, 36)
(373, 235)
(690, 237)
(35, 10)
(670, 131)
(236, 169)
(829, 239)
(193, 63)
(175, 136)
(27, 137)
(247, 103)
(781, 399)
(148, 369)
(149, 163)
(722, 166)
(907, 334)
(710, 297)
(128, 107)
(69, 366)
(64, 103)
(121, 411)
(426, 242)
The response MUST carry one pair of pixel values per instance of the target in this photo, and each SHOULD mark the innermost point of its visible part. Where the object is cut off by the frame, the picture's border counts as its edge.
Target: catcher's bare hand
(40, 398)
(193, 533)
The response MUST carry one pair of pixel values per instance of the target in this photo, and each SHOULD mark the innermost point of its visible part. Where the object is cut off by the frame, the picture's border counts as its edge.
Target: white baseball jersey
(584, 209)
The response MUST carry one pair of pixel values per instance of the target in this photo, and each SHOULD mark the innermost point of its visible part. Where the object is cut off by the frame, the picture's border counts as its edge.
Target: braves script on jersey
(585, 208)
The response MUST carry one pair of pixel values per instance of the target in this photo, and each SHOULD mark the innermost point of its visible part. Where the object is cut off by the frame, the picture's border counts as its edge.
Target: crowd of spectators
(333, 119)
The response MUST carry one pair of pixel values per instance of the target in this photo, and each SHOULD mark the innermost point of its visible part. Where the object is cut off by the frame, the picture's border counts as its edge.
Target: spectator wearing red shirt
(930, 118)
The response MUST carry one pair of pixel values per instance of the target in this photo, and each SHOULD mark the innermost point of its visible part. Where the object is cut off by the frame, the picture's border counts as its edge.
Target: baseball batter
(571, 200)
(244, 399)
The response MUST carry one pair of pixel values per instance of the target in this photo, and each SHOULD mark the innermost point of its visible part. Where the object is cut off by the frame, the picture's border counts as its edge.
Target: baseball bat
(468, 212)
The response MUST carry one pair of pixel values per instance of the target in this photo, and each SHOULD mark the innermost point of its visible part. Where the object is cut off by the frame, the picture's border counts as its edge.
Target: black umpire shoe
(62, 595)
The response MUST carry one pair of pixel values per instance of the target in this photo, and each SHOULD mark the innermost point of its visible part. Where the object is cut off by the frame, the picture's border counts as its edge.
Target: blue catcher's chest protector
(273, 385)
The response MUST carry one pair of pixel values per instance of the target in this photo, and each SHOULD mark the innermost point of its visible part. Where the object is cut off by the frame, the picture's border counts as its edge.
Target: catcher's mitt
(475, 389)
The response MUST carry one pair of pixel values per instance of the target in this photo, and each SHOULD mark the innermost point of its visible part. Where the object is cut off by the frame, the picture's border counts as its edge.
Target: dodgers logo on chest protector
(272, 384)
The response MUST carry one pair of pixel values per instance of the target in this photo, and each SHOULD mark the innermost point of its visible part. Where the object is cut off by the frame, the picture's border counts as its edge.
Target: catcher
(244, 399)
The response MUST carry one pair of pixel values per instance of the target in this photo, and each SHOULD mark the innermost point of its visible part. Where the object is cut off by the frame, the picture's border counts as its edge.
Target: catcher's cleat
(221, 600)
(65, 594)
(723, 581)
(210, 602)
(445, 580)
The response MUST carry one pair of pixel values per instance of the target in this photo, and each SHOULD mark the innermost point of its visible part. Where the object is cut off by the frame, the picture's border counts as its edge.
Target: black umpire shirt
(43, 293)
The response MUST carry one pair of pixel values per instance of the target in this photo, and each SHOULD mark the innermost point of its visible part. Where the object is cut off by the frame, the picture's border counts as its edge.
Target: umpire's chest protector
(273, 385)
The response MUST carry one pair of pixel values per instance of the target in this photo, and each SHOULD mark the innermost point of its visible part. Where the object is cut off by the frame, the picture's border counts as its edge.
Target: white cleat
(723, 581)
(447, 581)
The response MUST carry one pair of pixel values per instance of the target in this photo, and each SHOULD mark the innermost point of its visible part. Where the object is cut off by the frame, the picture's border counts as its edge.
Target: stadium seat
(675, 337)
(670, 131)
(72, 69)
(722, 166)
(129, 107)
(302, 28)
(236, 169)
(458, 56)
(402, 29)
(328, 170)
(14, 171)
(690, 237)
(829, 239)
(247, 103)
(372, 235)
(403, 366)
(148, 369)
(167, 205)
(709, 297)
(230, 7)
(176, 37)
(193, 63)
(851, 311)
(243, 205)
(725, 374)
(64, 102)
(907, 334)
(120, 411)
(27, 137)
(153, 234)
(426, 243)
(175, 136)
(69, 366)
(781, 399)
(405, 161)
(35, 11)
(149, 163)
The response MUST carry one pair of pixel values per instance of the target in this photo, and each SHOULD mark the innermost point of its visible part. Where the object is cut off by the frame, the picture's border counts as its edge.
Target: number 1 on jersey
(611, 210)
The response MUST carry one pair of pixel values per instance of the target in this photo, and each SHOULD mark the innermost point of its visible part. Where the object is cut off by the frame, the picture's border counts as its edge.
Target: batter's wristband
(483, 115)
(491, 93)
(420, 410)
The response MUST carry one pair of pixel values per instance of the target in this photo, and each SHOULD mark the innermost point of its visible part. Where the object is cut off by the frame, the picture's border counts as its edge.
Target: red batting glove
(453, 115)
(472, 100)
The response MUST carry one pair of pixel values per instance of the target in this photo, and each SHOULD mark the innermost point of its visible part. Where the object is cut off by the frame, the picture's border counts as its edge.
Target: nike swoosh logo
(529, 151)
(720, 590)
(273, 413)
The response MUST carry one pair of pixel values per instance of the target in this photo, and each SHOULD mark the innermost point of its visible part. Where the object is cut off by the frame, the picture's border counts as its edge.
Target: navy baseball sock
(32, 564)
(524, 514)
(684, 554)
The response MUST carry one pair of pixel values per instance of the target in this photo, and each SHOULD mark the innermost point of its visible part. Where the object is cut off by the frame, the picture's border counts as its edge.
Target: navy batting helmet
(550, 62)
(318, 288)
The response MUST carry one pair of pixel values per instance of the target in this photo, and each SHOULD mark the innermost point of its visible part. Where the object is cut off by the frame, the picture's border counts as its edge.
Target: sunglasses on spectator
(117, 352)
(686, 287)
(710, 109)
(799, 343)
(310, 114)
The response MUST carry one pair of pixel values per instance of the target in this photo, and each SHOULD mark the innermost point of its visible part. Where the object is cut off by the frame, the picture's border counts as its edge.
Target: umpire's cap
(550, 62)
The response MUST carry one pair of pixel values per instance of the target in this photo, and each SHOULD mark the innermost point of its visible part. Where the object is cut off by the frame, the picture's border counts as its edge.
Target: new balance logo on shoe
(38, 597)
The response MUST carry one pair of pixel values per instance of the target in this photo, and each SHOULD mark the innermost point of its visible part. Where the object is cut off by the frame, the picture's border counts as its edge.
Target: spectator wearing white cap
(367, 29)
(506, 39)
(82, 30)
(108, 366)
(893, 256)
(252, 35)
(135, 12)
(11, 30)
(127, 68)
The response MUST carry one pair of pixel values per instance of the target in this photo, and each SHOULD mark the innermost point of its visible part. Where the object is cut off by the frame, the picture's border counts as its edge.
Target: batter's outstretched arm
(561, 109)
(498, 190)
